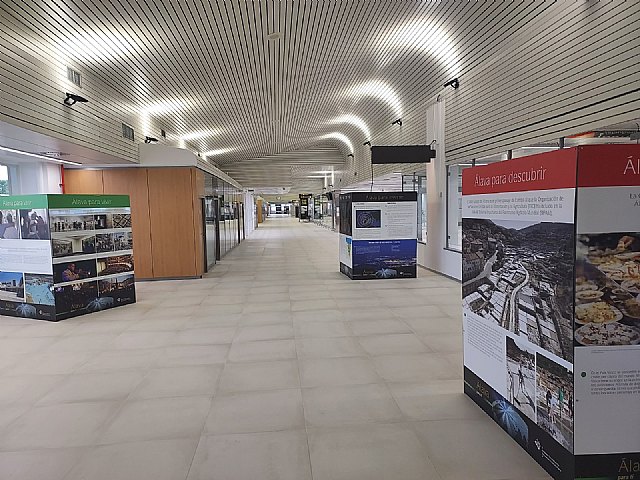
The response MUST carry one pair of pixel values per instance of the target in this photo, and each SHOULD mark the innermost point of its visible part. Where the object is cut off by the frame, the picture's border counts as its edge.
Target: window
(454, 206)
(127, 132)
(4, 180)
(418, 183)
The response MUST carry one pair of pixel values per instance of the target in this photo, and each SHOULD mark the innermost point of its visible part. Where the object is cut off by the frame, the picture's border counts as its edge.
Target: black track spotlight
(453, 83)
(72, 99)
(367, 143)
(397, 122)
(150, 140)
(350, 155)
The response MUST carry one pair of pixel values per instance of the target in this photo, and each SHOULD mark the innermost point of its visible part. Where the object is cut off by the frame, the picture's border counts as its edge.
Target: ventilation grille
(163, 134)
(74, 76)
(127, 132)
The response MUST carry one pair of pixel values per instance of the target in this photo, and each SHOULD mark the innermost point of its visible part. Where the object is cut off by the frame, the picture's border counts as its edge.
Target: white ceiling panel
(269, 111)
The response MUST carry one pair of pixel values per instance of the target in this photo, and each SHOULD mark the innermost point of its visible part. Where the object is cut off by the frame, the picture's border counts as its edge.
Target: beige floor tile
(184, 381)
(93, 387)
(328, 347)
(263, 351)
(321, 329)
(183, 355)
(378, 327)
(58, 426)
(264, 456)
(337, 406)
(401, 343)
(152, 460)
(315, 372)
(443, 342)
(205, 336)
(252, 412)
(264, 332)
(488, 452)
(369, 452)
(51, 464)
(414, 367)
(244, 377)
(157, 418)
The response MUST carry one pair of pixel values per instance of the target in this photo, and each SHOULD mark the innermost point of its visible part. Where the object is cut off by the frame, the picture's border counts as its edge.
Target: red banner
(544, 171)
(609, 165)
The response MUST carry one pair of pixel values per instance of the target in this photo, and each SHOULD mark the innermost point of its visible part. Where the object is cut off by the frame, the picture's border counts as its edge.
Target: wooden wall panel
(83, 181)
(172, 222)
(133, 182)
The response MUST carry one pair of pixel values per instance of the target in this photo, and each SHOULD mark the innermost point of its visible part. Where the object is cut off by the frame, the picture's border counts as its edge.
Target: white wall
(435, 254)
(249, 213)
(30, 178)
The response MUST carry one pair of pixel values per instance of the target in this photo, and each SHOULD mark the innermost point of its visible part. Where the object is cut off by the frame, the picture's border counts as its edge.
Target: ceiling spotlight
(453, 83)
(367, 143)
(397, 122)
(350, 155)
(71, 99)
(150, 140)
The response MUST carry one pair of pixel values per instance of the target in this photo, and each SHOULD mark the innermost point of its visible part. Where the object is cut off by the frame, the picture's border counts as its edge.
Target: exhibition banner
(607, 323)
(551, 286)
(65, 255)
(379, 233)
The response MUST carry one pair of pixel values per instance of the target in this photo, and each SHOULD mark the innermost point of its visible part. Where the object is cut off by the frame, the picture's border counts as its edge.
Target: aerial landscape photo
(520, 276)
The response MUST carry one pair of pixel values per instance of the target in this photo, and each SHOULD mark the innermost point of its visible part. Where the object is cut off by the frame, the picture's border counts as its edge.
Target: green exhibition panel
(551, 305)
(65, 255)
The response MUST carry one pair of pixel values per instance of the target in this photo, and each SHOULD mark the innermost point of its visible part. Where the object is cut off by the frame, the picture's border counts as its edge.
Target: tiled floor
(275, 367)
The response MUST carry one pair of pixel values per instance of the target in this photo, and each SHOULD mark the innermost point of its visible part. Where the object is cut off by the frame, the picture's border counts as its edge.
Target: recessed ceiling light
(274, 36)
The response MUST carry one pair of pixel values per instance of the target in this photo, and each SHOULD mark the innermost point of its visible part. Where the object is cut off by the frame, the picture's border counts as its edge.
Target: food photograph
(607, 293)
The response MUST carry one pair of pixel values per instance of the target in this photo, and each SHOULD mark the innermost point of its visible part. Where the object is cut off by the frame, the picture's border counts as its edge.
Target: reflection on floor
(275, 367)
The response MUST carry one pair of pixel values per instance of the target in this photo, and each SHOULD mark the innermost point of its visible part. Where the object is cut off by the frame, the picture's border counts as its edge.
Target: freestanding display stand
(378, 235)
(551, 305)
(65, 255)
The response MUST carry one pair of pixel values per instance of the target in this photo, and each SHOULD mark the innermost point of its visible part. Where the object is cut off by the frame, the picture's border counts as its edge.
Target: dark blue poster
(384, 259)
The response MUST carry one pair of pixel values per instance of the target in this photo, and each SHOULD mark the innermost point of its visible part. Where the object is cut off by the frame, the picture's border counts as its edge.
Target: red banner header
(545, 171)
(609, 165)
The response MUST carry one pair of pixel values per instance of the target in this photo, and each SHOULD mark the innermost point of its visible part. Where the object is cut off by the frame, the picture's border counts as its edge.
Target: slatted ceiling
(268, 99)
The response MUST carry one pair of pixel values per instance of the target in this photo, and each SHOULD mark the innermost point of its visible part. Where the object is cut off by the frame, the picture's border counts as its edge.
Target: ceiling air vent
(127, 132)
(163, 134)
(74, 76)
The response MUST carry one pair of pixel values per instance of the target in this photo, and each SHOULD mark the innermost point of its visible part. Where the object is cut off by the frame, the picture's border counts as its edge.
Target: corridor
(274, 367)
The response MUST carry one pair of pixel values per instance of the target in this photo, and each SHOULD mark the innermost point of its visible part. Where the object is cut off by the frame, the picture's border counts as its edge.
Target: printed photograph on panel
(115, 264)
(608, 289)
(11, 286)
(121, 220)
(76, 298)
(554, 400)
(118, 290)
(73, 243)
(39, 289)
(368, 218)
(33, 224)
(72, 223)
(103, 221)
(122, 241)
(104, 242)
(521, 377)
(8, 224)
(72, 271)
(519, 275)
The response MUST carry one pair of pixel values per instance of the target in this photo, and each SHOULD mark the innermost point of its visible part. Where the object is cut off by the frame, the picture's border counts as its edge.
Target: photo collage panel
(86, 234)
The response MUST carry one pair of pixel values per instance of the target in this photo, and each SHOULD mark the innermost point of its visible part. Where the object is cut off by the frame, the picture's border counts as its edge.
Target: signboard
(381, 231)
(65, 255)
(549, 305)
